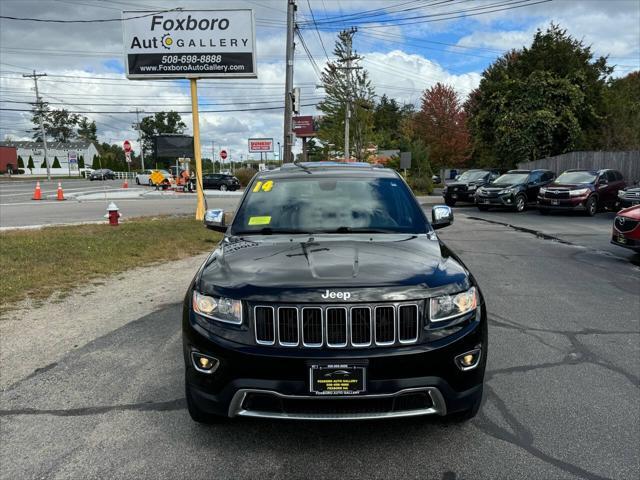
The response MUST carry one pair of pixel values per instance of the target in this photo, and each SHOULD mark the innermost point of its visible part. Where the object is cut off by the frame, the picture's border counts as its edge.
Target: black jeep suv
(463, 188)
(330, 296)
(515, 189)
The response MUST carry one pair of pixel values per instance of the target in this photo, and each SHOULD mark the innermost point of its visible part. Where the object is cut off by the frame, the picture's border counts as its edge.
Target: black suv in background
(331, 297)
(515, 189)
(220, 181)
(102, 174)
(463, 188)
(582, 190)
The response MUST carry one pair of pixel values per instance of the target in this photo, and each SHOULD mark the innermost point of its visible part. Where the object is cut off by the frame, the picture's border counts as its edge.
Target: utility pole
(35, 76)
(347, 109)
(288, 92)
(138, 111)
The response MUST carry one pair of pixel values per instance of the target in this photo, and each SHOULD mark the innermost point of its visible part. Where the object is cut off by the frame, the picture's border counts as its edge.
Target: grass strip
(38, 263)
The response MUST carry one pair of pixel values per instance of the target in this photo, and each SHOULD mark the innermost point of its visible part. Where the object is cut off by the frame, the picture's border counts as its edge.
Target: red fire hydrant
(113, 214)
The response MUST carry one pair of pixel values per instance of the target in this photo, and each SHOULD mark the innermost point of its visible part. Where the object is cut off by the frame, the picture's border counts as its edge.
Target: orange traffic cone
(125, 184)
(37, 194)
(60, 195)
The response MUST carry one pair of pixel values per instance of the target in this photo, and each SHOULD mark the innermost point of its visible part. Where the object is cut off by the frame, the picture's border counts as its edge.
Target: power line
(318, 31)
(96, 20)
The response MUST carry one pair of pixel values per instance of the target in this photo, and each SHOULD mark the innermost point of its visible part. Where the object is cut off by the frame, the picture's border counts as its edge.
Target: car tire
(223, 188)
(150, 183)
(450, 203)
(198, 415)
(137, 181)
(543, 211)
(521, 203)
(591, 206)
(482, 208)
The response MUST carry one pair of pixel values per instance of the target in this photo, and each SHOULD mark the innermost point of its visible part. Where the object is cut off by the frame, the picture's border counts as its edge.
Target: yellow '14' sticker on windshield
(260, 220)
(264, 186)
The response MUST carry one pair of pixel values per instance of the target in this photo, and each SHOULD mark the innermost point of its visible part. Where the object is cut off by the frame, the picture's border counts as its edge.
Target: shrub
(56, 163)
(30, 164)
(420, 185)
(44, 163)
(20, 162)
(245, 175)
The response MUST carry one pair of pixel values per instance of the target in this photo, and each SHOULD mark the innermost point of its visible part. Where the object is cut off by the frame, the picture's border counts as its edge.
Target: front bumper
(465, 196)
(505, 200)
(272, 382)
(575, 203)
(625, 240)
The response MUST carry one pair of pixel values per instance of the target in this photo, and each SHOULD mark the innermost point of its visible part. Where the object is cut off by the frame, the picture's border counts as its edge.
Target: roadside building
(8, 159)
(58, 150)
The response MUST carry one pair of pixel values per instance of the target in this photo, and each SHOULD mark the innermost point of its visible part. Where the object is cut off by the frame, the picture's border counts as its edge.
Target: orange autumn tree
(441, 124)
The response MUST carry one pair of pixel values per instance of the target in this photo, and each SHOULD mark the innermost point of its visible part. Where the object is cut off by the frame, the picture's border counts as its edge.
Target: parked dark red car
(626, 228)
(582, 190)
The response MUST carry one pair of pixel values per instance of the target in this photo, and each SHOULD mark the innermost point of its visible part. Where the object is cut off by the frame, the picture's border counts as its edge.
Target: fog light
(203, 363)
(469, 360)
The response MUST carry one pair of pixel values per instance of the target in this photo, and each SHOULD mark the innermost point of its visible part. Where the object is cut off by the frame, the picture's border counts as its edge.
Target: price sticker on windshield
(265, 220)
(263, 186)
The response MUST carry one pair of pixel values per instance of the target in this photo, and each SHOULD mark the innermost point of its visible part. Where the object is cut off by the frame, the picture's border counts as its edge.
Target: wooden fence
(627, 163)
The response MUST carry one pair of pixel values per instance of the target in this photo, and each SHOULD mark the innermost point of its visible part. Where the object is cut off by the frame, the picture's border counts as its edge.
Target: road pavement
(561, 400)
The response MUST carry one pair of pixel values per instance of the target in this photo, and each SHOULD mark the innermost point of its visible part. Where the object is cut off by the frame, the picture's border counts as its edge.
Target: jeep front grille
(337, 326)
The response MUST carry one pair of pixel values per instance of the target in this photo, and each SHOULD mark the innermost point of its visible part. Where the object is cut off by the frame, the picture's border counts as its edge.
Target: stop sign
(126, 146)
(223, 154)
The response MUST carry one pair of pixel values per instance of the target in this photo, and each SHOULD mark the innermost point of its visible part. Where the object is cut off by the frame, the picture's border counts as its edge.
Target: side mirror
(602, 181)
(214, 220)
(441, 216)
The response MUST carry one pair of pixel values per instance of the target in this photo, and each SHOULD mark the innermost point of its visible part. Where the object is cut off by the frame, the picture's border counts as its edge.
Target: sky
(407, 46)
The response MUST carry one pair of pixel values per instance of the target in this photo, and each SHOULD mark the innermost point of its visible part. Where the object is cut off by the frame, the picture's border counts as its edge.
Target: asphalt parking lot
(562, 397)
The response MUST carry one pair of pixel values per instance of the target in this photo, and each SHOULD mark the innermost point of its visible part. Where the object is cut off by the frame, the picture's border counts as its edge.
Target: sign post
(196, 149)
(126, 146)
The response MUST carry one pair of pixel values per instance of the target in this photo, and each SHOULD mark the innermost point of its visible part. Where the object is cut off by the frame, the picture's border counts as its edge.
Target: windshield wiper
(272, 231)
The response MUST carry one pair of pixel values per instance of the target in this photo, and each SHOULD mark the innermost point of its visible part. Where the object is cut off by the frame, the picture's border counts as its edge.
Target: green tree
(62, 124)
(81, 161)
(87, 130)
(621, 127)
(388, 115)
(344, 84)
(159, 123)
(56, 163)
(20, 162)
(44, 163)
(39, 111)
(539, 101)
(30, 164)
(96, 162)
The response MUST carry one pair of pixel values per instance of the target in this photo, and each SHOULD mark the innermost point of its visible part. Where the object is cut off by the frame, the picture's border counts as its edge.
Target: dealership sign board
(189, 44)
(304, 126)
(257, 145)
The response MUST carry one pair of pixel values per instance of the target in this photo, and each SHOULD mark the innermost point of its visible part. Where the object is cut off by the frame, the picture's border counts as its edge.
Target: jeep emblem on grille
(329, 294)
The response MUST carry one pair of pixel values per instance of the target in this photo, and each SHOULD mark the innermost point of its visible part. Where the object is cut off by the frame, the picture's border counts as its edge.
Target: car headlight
(218, 308)
(621, 193)
(450, 306)
(542, 190)
(471, 188)
(506, 191)
(578, 193)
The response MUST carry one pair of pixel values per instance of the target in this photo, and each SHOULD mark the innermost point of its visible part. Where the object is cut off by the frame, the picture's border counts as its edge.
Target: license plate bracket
(555, 202)
(337, 379)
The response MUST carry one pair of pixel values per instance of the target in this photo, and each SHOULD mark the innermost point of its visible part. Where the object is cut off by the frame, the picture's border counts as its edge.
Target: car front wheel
(521, 203)
(223, 188)
(449, 202)
(137, 181)
(591, 207)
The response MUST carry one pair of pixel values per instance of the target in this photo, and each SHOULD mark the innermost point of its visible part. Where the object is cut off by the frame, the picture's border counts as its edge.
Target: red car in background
(626, 228)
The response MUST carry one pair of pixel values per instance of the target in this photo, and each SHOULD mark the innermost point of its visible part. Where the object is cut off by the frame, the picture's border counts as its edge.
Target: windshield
(512, 178)
(329, 205)
(471, 176)
(576, 177)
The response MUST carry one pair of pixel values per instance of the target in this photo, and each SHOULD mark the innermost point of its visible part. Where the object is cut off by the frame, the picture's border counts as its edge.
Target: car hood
(300, 268)
(501, 185)
(568, 186)
(631, 212)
